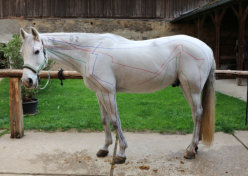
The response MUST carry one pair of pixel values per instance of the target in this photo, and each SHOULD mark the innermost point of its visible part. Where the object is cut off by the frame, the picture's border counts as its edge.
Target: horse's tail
(208, 104)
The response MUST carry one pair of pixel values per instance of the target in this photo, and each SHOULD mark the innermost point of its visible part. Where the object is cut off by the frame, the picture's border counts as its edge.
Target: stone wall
(136, 29)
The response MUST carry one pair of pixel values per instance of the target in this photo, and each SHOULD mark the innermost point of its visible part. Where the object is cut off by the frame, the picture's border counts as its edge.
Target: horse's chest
(90, 84)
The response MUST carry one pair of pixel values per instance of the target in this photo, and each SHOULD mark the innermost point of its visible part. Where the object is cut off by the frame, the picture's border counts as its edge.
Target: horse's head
(34, 57)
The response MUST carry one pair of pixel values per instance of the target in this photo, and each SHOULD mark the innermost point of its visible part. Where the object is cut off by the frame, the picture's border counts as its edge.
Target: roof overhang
(203, 9)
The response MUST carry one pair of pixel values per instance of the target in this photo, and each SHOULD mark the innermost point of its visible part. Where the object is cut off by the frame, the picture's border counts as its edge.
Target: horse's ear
(23, 34)
(35, 34)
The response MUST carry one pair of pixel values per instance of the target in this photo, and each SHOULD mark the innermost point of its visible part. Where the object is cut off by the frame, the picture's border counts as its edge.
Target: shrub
(12, 52)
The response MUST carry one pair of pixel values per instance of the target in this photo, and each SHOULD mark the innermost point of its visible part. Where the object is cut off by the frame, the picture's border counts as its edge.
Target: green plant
(12, 52)
(28, 94)
(3, 60)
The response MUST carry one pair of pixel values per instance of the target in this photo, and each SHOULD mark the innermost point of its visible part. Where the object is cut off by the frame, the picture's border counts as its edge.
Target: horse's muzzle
(28, 82)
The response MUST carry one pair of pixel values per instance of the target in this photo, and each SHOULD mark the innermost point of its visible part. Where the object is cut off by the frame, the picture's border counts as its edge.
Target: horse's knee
(104, 121)
(198, 114)
(114, 123)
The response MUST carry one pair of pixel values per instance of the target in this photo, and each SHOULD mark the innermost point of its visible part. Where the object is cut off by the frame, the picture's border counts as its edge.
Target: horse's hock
(15, 103)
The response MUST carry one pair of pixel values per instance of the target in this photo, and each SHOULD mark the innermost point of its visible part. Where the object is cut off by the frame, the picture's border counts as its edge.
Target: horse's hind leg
(108, 137)
(193, 97)
(197, 115)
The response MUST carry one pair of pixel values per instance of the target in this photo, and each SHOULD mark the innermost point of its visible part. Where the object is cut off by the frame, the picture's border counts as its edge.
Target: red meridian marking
(110, 104)
(87, 50)
(63, 48)
(179, 63)
(163, 65)
(157, 73)
(100, 84)
(89, 66)
(200, 76)
(192, 55)
(112, 58)
(92, 75)
(166, 63)
(106, 91)
(199, 68)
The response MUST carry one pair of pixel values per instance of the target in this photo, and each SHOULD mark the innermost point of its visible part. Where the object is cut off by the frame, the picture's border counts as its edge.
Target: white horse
(111, 64)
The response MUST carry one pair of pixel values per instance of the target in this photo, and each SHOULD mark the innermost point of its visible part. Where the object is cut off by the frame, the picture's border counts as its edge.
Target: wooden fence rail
(43, 74)
(15, 103)
(75, 75)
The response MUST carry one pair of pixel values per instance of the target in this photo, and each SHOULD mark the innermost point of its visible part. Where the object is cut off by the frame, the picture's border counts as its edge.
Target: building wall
(135, 29)
(163, 9)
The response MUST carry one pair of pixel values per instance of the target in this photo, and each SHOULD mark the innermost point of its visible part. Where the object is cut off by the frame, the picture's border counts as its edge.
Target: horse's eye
(37, 52)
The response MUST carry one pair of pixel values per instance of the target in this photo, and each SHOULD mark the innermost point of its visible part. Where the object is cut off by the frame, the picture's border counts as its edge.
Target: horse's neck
(71, 49)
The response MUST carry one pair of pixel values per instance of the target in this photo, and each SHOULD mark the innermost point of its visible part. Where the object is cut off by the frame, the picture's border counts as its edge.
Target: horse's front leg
(108, 137)
(109, 102)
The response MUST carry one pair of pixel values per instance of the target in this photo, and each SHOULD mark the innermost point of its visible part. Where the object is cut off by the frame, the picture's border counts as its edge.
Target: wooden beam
(217, 18)
(44, 74)
(223, 13)
(232, 73)
(15, 108)
(217, 39)
(212, 17)
(246, 12)
(76, 75)
(241, 15)
(235, 11)
(199, 23)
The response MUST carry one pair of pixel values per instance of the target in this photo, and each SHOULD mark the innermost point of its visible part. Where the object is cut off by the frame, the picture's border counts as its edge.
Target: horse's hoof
(102, 153)
(189, 155)
(119, 160)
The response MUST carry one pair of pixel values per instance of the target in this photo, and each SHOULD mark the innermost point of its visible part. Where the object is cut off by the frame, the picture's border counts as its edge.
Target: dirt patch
(64, 162)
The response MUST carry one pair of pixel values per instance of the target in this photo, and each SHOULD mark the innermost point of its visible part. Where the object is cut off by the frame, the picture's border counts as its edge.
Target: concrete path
(229, 87)
(148, 154)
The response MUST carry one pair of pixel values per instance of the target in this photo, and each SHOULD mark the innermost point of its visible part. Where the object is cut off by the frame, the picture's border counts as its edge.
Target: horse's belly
(133, 82)
(144, 89)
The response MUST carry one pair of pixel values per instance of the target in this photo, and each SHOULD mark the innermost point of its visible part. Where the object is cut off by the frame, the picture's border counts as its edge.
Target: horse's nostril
(30, 81)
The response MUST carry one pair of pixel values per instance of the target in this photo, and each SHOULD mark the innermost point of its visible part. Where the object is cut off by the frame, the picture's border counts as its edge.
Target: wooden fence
(162, 9)
(15, 102)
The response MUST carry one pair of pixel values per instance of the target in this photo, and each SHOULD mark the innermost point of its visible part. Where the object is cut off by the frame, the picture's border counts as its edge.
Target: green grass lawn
(74, 106)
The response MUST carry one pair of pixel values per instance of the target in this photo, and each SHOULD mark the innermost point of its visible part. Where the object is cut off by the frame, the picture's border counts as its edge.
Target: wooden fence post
(15, 108)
